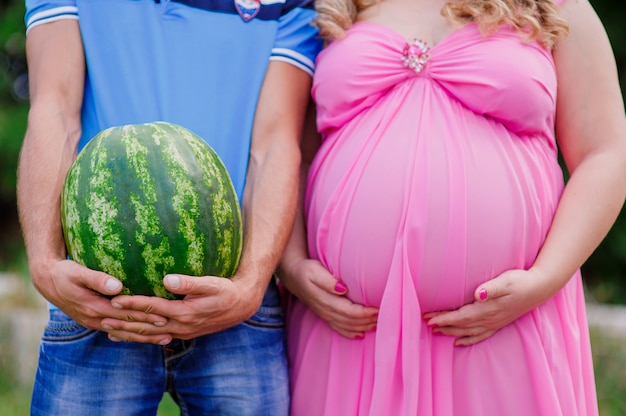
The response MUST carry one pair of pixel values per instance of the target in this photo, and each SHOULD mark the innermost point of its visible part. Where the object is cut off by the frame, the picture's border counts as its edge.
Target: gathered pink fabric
(426, 185)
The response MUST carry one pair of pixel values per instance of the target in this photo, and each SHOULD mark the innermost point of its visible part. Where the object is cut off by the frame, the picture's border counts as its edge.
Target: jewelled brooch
(415, 55)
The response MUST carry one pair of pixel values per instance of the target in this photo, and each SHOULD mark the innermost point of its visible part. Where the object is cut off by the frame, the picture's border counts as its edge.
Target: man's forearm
(41, 172)
(271, 193)
(269, 209)
(56, 76)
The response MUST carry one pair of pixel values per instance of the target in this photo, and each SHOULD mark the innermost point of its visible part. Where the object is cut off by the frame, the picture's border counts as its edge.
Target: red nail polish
(482, 294)
(340, 287)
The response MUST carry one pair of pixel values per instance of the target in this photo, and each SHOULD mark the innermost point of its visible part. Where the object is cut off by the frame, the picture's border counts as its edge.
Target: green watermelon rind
(132, 207)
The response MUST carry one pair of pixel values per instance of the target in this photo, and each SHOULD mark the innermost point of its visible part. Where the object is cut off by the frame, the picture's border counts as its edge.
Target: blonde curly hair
(535, 19)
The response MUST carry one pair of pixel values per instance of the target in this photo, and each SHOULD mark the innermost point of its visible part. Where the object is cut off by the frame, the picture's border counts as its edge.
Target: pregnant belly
(453, 212)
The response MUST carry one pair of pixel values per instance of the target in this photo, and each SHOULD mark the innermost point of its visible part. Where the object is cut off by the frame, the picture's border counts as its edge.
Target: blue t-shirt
(197, 63)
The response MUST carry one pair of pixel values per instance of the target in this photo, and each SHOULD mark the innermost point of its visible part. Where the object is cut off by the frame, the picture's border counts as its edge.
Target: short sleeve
(298, 41)
(39, 12)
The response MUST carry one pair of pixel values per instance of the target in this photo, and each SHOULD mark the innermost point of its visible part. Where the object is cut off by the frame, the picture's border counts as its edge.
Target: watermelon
(144, 200)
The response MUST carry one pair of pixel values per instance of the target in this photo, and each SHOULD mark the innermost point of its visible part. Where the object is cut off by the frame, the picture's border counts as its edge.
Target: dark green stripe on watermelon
(142, 201)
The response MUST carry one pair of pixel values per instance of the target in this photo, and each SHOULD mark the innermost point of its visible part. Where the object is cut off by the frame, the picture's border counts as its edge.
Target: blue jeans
(240, 371)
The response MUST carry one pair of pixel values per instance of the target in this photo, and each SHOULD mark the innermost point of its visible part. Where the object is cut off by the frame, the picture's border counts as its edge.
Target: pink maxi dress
(429, 182)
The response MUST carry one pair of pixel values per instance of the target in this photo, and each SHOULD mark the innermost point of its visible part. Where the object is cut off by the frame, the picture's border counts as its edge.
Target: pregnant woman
(437, 204)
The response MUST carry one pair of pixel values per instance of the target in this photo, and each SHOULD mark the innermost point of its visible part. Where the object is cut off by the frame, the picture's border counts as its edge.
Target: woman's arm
(308, 279)
(591, 132)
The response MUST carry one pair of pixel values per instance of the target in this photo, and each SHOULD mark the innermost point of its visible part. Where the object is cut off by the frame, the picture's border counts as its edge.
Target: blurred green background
(604, 273)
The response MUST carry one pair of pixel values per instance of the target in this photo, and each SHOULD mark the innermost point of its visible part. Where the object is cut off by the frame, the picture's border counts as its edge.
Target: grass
(609, 356)
(167, 407)
(15, 402)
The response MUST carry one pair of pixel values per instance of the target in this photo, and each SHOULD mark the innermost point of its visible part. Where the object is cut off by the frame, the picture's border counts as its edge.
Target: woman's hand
(326, 296)
(498, 302)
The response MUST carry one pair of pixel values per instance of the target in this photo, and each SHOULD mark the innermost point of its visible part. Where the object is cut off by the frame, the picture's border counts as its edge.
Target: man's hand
(498, 302)
(83, 294)
(326, 296)
(211, 304)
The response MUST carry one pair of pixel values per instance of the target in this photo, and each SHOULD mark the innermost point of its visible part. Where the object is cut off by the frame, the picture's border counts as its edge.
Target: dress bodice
(500, 76)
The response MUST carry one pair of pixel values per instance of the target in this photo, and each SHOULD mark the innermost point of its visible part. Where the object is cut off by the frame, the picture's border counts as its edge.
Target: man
(236, 73)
